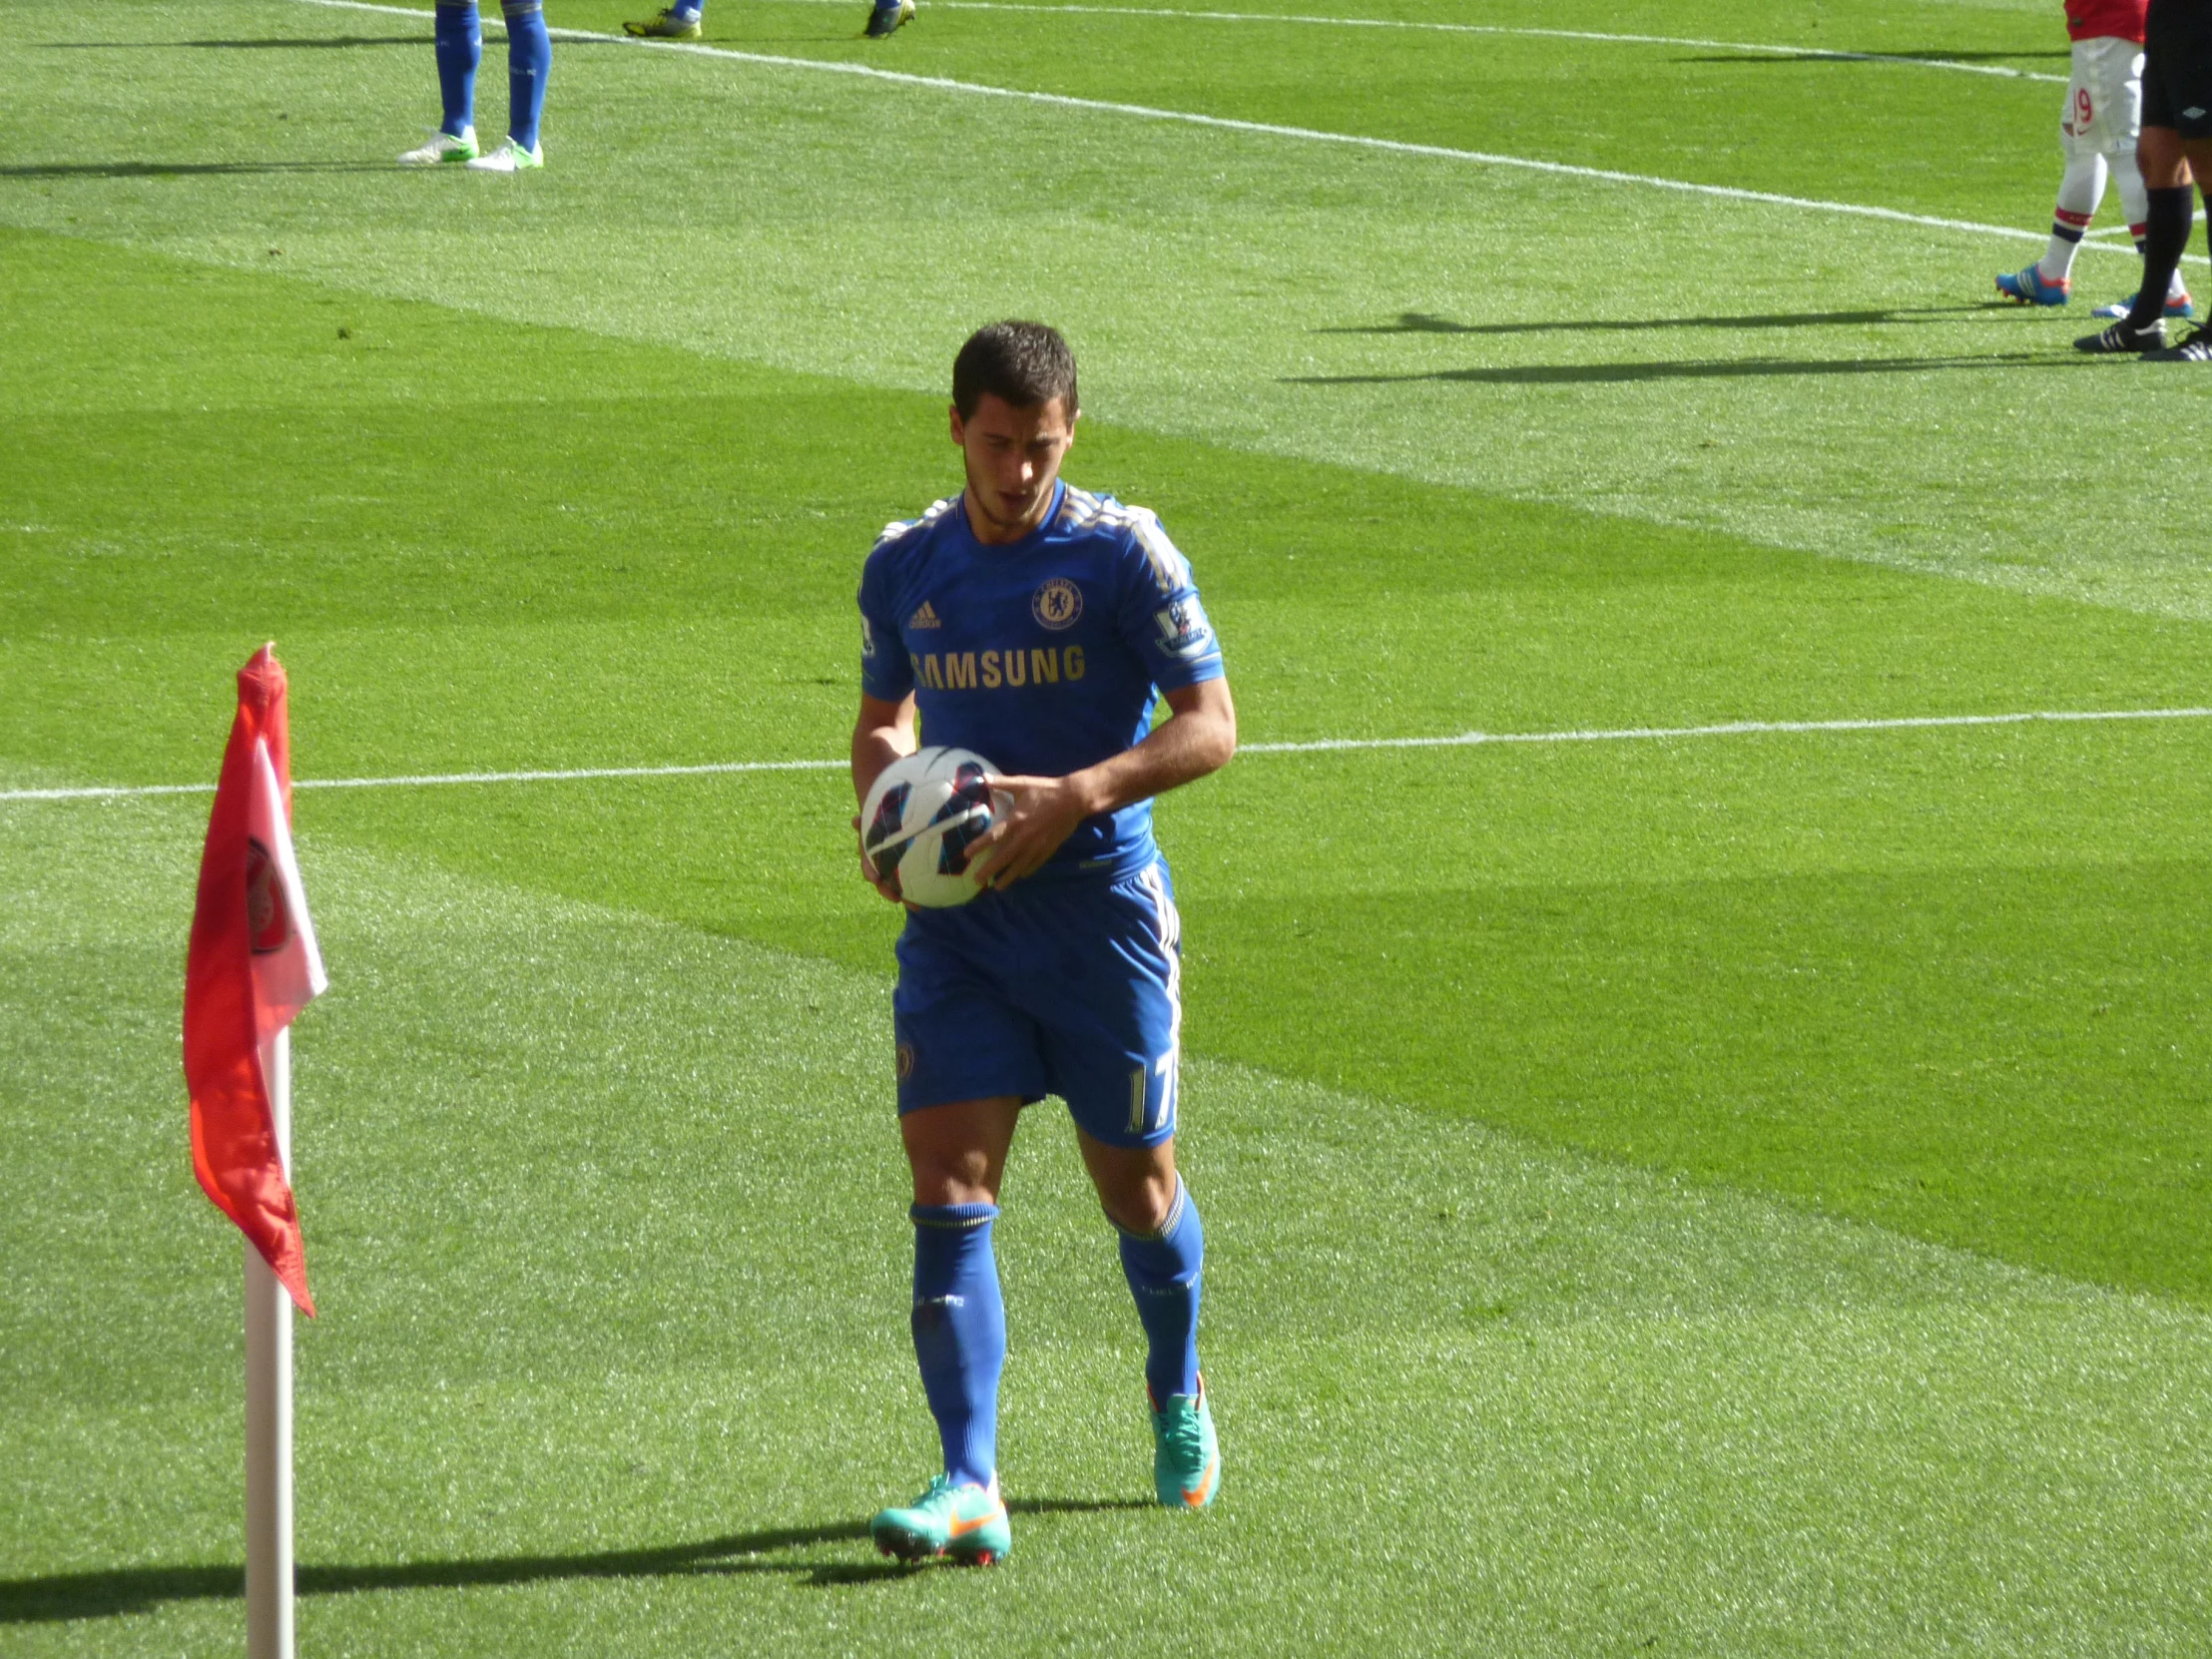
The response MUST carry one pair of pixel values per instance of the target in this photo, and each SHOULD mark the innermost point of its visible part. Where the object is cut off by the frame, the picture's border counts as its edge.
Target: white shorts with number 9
(2104, 103)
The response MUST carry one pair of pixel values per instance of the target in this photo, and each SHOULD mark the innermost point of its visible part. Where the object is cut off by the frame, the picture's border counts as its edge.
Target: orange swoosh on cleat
(962, 1529)
(1194, 1496)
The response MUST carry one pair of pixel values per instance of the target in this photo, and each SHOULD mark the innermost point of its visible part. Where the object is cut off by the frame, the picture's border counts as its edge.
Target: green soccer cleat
(1185, 1457)
(670, 23)
(885, 17)
(510, 157)
(443, 150)
(966, 1524)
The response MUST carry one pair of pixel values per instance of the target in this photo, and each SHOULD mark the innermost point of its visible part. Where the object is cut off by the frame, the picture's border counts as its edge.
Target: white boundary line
(1189, 117)
(1819, 54)
(1324, 745)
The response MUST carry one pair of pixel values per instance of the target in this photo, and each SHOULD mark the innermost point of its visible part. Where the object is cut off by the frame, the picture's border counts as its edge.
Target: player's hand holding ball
(923, 814)
(1034, 816)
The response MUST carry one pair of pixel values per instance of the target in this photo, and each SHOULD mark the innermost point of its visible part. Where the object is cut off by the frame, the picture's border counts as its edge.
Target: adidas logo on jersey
(927, 617)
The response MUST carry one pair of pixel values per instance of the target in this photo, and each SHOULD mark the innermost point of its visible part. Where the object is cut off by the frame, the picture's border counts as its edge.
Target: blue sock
(1163, 1270)
(960, 1332)
(529, 61)
(460, 48)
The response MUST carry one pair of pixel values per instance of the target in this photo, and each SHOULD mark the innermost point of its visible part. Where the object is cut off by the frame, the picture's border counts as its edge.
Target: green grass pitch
(1739, 1194)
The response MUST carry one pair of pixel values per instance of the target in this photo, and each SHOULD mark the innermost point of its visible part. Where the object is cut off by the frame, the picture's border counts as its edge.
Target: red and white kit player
(2104, 110)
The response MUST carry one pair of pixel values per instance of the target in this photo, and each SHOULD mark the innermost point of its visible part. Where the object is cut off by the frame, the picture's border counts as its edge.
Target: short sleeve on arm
(887, 672)
(1161, 615)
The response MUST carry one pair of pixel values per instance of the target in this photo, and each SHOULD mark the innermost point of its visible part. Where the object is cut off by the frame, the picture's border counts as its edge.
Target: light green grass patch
(604, 1215)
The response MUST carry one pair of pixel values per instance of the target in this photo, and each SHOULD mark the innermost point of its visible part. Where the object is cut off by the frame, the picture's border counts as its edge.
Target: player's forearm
(883, 734)
(1198, 741)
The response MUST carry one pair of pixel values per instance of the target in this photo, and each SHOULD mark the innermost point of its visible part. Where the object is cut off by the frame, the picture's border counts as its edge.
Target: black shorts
(2177, 67)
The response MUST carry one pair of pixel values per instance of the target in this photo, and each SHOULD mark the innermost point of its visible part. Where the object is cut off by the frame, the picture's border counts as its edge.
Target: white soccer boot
(443, 150)
(510, 157)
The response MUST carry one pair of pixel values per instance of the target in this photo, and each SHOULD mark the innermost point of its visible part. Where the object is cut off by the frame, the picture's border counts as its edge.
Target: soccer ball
(920, 817)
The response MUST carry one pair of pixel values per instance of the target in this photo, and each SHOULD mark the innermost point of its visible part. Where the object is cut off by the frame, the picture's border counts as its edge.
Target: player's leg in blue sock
(960, 1332)
(460, 48)
(1162, 1268)
(529, 61)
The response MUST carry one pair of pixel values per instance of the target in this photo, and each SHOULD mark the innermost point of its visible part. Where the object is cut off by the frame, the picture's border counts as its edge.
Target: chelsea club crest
(1057, 604)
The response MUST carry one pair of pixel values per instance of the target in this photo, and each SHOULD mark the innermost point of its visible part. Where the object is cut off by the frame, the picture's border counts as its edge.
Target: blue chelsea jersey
(1045, 655)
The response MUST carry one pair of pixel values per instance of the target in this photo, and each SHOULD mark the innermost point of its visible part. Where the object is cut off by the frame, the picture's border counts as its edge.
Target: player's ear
(959, 426)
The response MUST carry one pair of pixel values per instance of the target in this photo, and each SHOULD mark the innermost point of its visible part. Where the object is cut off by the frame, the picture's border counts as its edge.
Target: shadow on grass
(93, 1596)
(179, 170)
(321, 44)
(1587, 375)
(1425, 322)
(1815, 55)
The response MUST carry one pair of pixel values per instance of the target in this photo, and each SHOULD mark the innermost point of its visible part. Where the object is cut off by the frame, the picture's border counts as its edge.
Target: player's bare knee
(1142, 1207)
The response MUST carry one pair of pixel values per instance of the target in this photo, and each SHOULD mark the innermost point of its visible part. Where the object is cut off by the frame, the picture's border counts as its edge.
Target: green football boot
(1185, 1457)
(966, 1524)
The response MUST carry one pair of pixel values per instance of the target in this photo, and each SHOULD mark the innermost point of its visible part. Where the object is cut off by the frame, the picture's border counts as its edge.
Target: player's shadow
(1590, 375)
(179, 170)
(321, 43)
(1813, 55)
(108, 1594)
(1425, 322)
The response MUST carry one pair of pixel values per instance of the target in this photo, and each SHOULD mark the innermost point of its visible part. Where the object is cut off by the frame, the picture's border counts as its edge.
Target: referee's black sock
(2165, 235)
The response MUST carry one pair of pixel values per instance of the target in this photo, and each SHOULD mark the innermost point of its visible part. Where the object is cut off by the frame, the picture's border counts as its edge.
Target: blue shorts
(1066, 987)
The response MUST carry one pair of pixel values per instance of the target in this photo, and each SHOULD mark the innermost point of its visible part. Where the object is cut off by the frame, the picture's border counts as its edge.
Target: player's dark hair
(1028, 364)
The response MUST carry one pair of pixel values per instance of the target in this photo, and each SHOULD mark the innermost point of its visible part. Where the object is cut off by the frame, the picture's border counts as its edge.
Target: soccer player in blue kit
(1037, 624)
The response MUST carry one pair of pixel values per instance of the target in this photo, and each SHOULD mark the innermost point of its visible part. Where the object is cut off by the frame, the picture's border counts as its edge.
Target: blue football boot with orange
(2032, 287)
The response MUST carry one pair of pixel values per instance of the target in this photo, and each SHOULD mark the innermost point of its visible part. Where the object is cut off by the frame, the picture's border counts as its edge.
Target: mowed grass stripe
(611, 1253)
(1318, 745)
(611, 604)
(1311, 135)
(1366, 326)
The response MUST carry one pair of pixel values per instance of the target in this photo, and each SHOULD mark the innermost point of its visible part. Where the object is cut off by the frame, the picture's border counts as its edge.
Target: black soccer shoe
(2121, 338)
(885, 18)
(2197, 348)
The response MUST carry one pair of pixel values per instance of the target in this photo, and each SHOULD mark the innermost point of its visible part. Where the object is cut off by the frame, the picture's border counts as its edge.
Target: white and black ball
(921, 816)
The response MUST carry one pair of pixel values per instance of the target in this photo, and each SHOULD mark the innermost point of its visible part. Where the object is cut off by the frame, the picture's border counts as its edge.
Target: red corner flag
(252, 965)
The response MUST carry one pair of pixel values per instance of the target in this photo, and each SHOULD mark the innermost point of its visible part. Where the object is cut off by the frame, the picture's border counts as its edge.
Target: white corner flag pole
(269, 1579)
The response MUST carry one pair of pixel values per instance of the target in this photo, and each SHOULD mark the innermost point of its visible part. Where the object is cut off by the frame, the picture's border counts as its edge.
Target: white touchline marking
(1460, 739)
(1731, 729)
(1221, 123)
(1819, 54)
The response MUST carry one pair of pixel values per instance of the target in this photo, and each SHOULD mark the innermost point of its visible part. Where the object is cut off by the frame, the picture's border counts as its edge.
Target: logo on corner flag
(268, 918)
(1057, 605)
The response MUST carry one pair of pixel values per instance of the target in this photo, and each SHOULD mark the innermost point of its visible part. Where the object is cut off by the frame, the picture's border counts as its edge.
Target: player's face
(1013, 458)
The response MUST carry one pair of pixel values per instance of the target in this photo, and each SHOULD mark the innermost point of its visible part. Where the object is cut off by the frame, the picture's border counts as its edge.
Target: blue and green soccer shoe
(1185, 1456)
(966, 1524)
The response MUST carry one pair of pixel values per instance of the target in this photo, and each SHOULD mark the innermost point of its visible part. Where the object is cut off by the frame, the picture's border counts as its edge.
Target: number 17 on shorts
(1152, 1096)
